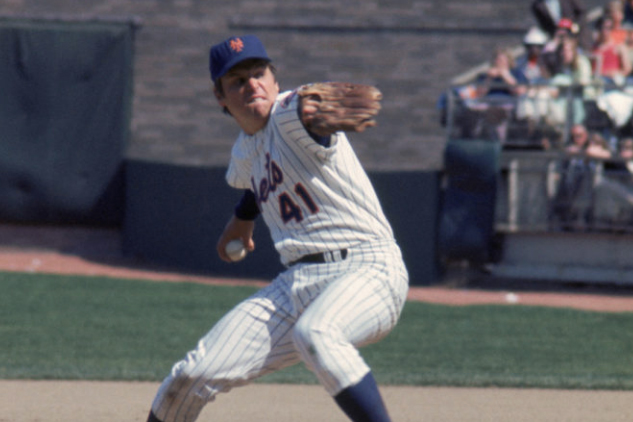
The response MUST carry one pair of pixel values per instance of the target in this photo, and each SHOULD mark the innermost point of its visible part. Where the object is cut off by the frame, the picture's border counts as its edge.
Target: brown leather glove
(328, 107)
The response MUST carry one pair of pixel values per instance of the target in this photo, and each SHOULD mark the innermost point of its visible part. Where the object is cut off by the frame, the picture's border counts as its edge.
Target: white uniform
(314, 199)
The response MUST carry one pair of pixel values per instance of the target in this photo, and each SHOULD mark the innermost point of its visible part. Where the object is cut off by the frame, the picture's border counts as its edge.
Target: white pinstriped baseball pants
(315, 313)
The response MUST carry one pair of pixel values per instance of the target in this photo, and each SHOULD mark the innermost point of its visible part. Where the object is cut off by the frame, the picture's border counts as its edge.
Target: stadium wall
(175, 214)
(409, 48)
(178, 135)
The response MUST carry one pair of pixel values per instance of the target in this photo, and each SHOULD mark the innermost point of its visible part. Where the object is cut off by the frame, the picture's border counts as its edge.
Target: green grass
(59, 327)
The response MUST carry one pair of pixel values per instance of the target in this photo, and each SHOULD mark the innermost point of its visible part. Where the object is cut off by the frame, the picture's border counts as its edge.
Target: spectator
(575, 203)
(611, 60)
(552, 51)
(622, 164)
(613, 192)
(625, 164)
(569, 59)
(570, 84)
(502, 79)
(548, 13)
(579, 140)
(533, 102)
(547, 109)
(575, 63)
(614, 9)
(603, 188)
(598, 147)
(531, 62)
(572, 202)
(497, 89)
(626, 152)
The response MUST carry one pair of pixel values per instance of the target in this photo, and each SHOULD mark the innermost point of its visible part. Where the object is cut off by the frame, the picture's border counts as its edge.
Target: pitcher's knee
(190, 375)
(310, 338)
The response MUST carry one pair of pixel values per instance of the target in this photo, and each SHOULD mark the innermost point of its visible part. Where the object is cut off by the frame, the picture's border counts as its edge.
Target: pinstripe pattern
(314, 199)
(348, 210)
(315, 313)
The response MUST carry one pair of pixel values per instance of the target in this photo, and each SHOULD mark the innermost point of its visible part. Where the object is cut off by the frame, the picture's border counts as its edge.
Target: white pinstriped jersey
(313, 198)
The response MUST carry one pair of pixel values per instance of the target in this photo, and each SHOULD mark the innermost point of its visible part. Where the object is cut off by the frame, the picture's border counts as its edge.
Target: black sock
(362, 402)
(152, 418)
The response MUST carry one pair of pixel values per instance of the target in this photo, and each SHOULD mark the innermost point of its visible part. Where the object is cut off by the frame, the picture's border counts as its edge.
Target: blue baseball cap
(228, 53)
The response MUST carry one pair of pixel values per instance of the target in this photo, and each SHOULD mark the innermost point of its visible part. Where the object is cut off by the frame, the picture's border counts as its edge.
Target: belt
(321, 258)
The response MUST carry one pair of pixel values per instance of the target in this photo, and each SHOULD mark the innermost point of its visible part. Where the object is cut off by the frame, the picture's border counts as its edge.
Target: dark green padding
(64, 118)
(468, 205)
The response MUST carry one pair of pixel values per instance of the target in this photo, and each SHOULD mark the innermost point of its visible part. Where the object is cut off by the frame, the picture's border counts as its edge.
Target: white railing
(541, 187)
(554, 193)
(542, 117)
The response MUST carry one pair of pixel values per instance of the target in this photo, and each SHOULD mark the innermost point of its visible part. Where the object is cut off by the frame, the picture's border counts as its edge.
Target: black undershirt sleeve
(247, 208)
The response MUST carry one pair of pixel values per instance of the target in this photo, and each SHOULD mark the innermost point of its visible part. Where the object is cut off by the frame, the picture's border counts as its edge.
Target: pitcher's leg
(356, 310)
(360, 307)
(251, 340)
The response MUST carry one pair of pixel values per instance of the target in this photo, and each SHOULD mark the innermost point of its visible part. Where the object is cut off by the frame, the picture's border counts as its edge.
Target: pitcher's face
(249, 92)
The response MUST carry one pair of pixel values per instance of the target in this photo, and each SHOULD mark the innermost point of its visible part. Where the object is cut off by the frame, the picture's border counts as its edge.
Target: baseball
(235, 250)
(512, 298)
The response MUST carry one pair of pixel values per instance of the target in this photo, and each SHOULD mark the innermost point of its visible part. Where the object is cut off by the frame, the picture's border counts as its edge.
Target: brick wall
(409, 48)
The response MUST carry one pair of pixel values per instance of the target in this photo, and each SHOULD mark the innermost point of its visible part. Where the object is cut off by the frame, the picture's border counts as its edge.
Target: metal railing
(540, 187)
(541, 117)
(555, 193)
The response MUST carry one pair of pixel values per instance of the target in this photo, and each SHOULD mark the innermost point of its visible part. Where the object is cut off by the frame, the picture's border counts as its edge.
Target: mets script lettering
(289, 204)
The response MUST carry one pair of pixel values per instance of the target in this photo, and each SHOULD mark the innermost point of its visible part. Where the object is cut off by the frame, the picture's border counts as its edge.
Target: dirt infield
(35, 401)
(88, 252)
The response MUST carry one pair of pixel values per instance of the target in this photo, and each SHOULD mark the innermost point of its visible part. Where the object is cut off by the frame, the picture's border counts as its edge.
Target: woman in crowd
(498, 87)
(573, 76)
(614, 9)
(611, 60)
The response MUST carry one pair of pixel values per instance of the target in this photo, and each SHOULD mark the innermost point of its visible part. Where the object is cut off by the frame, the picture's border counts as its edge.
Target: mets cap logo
(236, 45)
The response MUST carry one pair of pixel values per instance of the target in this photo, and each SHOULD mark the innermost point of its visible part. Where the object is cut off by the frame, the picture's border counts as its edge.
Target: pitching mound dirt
(54, 401)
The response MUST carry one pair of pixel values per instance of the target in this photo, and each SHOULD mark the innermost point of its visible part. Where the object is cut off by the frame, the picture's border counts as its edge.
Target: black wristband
(247, 208)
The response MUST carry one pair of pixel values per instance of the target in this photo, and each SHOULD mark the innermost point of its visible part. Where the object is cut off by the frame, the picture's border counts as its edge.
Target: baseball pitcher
(345, 283)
